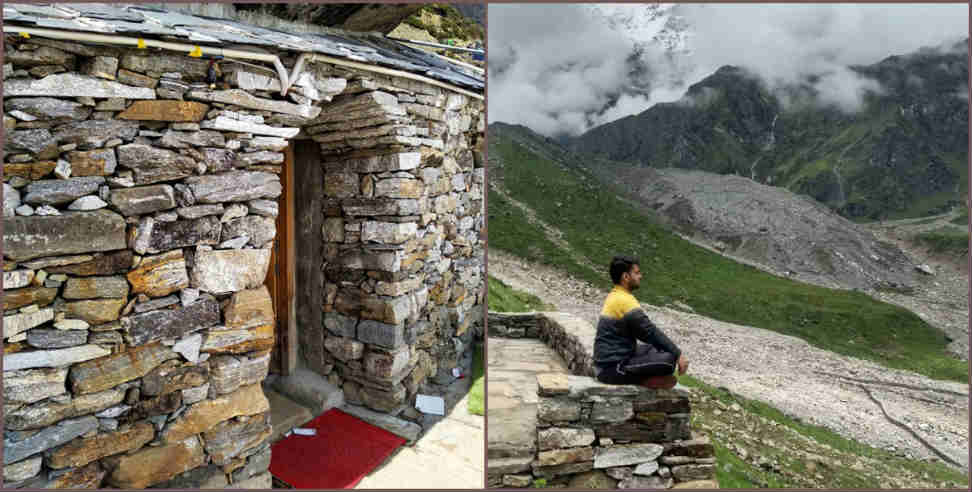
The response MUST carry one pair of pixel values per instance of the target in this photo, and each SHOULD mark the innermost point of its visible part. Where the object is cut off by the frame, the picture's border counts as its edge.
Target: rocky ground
(925, 419)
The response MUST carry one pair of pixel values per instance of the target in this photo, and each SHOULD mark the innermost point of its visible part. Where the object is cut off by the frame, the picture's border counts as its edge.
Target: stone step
(506, 466)
(309, 389)
(285, 414)
(400, 427)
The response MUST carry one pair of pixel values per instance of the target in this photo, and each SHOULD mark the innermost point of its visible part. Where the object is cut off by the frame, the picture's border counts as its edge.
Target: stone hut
(194, 209)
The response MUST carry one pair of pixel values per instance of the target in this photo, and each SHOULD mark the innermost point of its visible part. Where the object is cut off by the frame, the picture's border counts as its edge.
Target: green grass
(598, 225)
(962, 219)
(946, 240)
(477, 392)
(505, 299)
(741, 474)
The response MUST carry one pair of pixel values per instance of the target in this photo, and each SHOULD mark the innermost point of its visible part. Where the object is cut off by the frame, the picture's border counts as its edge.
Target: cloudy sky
(562, 69)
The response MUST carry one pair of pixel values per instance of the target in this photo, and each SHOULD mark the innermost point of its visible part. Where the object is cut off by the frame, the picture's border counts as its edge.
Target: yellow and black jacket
(621, 324)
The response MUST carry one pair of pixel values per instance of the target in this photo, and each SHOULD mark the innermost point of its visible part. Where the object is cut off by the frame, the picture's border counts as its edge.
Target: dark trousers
(647, 361)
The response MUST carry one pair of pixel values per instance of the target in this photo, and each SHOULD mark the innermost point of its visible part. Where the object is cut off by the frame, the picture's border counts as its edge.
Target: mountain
(904, 154)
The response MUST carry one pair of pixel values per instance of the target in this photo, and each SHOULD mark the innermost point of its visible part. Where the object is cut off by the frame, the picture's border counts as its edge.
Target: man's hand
(682, 364)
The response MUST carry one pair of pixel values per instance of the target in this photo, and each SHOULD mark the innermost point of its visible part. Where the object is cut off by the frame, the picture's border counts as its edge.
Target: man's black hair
(620, 265)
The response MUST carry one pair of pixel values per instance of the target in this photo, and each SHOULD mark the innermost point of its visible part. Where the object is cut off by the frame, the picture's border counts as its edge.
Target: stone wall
(594, 435)
(139, 217)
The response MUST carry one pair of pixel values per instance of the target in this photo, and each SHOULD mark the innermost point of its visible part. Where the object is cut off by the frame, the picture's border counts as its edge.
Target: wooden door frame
(283, 268)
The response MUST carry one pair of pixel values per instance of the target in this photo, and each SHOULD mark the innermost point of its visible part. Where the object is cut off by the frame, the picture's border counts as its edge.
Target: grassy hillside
(598, 225)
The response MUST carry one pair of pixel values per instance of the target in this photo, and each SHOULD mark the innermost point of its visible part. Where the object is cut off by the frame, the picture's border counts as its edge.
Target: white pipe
(305, 57)
(113, 39)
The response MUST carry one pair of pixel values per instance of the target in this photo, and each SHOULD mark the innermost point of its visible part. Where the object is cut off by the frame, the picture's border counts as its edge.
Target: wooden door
(280, 279)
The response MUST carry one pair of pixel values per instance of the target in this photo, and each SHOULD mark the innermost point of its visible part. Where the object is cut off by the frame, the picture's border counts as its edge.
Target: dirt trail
(915, 416)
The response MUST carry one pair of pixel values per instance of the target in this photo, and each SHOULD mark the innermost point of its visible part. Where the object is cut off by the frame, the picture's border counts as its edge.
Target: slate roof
(156, 23)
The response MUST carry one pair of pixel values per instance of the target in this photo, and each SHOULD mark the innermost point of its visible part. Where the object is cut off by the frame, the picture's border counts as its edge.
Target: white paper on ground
(434, 405)
(305, 432)
(456, 372)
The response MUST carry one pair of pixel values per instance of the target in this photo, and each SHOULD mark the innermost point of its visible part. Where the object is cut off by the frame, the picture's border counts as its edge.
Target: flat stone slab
(627, 455)
(408, 430)
(74, 85)
(48, 438)
(174, 323)
(71, 233)
(232, 125)
(310, 389)
(52, 358)
(165, 110)
(246, 100)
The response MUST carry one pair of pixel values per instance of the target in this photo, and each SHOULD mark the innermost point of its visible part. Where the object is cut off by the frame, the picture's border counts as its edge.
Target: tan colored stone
(95, 312)
(165, 110)
(100, 162)
(249, 308)
(82, 451)
(89, 477)
(17, 298)
(152, 465)
(697, 484)
(204, 415)
(552, 384)
(160, 275)
(239, 341)
(29, 170)
(562, 456)
(98, 375)
(96, 287)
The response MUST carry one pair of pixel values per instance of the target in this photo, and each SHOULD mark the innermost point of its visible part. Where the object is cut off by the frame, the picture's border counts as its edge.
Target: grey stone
(244, 99)
(105, 338)
(52, 358)
(564, 437)
(96, 132)
(200, 138)
(234, 186)
(11, 200)
(643, 483)
(39, 142)
(114, 412)
(103, 67)
(627, 455)
(611, 410)
(48, 438)
(259, 229)
(154, 304)
(228, 373)
(340, 325)
(259, 157)
(143, 199)
(60, 191)
(171, 89)
(46, 210)
(47, 338)
(228, 439)
(382, 334)
(29, 386)
(74, 85)
(188, 296)
(234, 211)
(152, 164)
(63, 169)
(556, 410)
(189, 69)
(22, 470)
(188, 347)
(224, 271)
(96, 287)
(48, 108)
(113, 104)
(89, 202)
(218, 160)
(20, 322)
(16, 279)
(41, 56)
(647, 468)
(266, 208)
(194, 395)
(400, 427)
(235, 243)
(197, 211)
(107, 425)
(232, 125)
(685, 473)
(173, 323)
(267, 143)
(136, 79)
(256, 463)
(25, 210)
(166, 236)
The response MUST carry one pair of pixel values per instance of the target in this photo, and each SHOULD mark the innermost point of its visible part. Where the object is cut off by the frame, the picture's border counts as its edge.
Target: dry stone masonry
(594, 435)
(139, 219)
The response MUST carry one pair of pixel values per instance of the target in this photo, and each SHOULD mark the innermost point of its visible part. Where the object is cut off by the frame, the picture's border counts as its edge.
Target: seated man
(618, 358)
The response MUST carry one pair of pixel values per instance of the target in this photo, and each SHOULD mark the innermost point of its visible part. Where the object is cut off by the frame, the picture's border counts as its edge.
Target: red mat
(344, 450)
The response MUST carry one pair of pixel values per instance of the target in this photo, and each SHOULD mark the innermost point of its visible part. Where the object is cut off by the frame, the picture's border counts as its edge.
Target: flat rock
(234, 186)
(594, 479)
(165, 110)
(231, 372)
(188, 347)
(204, 415)
(60, 191)
(48, 438)
(564, 437)
(16, 279)
(20, 322)
(95, 287)
(200, 138)
(259, 229)
(642, 483)
(182, 233)
(564, 456)
(52, 358)
(152, 465)
(626, 455)
(11, 200)
(17, 298)
(143, 200)
(29, 170)
(244, 99)
(165, 379)
(174, 323)
(95, 132)
(48, 108)
(31, 385)
(99, 162)
(95, 311)
(46, 338)
(224, 271)
(266, 208)
(197, 211)
(160, 275)
(157, 303)
(400, 427)
(74, 85)
(233, 125)
(22, 470)
(87, 203)
(39, 142)
(190, 69)
(249, 308)
(133, 363)
(85, 450)
(106, 264)
(646, 469)
(239, 341)
(153, 164)
(230, 438)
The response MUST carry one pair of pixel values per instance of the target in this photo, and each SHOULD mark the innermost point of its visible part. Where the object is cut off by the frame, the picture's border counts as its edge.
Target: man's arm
(643, 329)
